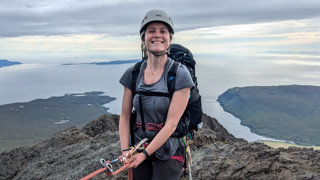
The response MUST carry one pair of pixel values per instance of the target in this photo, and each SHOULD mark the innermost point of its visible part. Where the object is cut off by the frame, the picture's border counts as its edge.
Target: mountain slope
(73, 153)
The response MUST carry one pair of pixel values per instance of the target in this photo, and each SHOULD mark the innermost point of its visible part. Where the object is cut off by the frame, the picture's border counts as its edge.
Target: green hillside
(30, 122)
(283, 112)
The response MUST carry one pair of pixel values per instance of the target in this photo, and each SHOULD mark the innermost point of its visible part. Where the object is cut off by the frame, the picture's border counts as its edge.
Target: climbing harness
(107, 165)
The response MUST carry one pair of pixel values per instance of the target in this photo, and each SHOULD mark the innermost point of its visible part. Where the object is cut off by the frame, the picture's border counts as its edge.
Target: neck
(156, 62)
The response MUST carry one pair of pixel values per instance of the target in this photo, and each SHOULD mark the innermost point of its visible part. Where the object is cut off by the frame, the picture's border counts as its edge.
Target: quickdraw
(188, 160)
(107, 165)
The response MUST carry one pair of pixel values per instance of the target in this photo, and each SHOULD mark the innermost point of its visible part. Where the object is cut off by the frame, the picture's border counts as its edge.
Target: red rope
(93, 174)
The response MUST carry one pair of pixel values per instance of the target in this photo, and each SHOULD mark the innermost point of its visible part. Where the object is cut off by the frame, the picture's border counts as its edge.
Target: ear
(170, 37)
(143, 36)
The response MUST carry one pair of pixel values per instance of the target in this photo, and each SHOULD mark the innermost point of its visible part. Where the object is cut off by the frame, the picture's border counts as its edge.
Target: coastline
(27, 123)
(232, 123)
(281, 112)
(277, 144)
(274, 143)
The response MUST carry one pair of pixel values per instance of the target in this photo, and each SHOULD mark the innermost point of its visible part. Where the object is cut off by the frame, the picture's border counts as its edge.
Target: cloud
(69, 47)
(283, 40)
(295, 62)
(294, 40)
(123, 17)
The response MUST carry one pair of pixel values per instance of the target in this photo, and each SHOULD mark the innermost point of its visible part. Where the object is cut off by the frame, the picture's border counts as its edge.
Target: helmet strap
(158, 54)
(142, 51)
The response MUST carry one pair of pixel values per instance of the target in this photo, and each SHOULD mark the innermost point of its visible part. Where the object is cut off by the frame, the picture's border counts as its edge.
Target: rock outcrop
(73, 153)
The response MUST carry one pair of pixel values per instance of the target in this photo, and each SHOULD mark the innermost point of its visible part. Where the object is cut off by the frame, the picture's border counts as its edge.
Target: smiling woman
(157, 38)
(157, 116)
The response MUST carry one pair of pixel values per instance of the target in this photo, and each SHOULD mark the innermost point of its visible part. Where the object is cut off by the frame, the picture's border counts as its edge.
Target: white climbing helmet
(157, 15)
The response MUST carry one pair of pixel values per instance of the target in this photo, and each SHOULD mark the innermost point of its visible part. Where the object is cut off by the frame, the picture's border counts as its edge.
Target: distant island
(4, 62)
(31, 122)
(289, 112)
(108, 63)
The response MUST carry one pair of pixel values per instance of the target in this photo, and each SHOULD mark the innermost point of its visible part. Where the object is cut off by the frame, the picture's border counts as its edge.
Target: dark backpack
(192, 117)
(183, 55)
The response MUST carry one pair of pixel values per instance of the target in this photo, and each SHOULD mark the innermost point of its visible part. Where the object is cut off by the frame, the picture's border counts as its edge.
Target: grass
(30, 122)
(289, 112)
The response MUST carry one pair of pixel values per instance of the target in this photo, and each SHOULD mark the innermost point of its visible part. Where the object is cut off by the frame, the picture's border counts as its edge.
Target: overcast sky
(88, 28)
(122, 17)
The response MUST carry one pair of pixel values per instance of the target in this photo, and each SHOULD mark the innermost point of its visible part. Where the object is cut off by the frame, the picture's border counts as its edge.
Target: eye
(163, 31)
(151, 31)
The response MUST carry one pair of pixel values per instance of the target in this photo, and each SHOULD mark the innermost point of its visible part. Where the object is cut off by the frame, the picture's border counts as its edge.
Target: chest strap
(148, 93)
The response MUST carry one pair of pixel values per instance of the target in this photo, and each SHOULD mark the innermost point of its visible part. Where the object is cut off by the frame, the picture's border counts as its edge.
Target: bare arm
(177, 106)
(124, 122)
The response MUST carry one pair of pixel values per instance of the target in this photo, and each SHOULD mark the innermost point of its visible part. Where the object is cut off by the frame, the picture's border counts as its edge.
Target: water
(215, 78)
(32, 81)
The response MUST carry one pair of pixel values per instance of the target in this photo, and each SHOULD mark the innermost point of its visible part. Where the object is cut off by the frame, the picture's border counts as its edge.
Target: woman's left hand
(135, 160)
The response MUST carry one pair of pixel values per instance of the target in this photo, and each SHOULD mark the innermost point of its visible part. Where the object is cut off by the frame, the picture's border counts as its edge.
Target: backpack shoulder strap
(134, 77)
(171, 81)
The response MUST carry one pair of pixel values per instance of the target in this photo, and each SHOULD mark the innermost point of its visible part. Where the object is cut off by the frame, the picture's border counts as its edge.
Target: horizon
(282, 32)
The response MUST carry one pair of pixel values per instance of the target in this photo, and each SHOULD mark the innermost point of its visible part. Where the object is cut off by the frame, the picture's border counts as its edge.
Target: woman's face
(157, 37)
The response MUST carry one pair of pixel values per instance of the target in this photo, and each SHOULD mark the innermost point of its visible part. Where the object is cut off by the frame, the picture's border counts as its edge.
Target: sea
(29, 81)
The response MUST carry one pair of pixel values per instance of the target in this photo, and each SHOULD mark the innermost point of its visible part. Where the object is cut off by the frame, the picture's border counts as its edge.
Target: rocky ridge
(74, 153)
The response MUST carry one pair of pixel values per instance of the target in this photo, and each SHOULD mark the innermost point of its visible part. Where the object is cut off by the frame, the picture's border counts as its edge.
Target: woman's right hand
(135, 160)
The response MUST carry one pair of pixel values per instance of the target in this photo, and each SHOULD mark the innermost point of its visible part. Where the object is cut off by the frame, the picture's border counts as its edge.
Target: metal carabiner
(104, 163)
